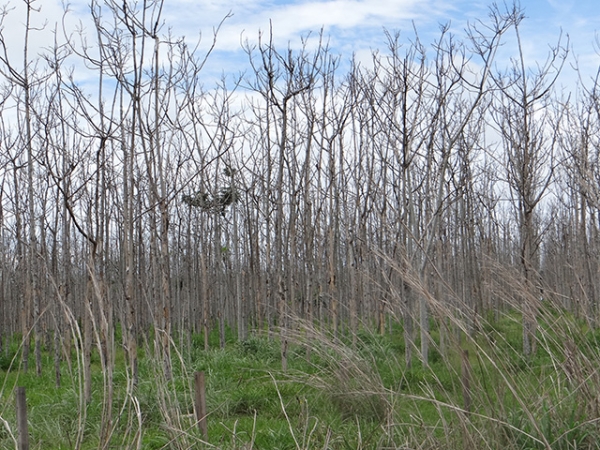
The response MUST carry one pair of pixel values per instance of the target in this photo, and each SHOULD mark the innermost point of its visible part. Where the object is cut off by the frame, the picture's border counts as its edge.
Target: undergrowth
(477, 391)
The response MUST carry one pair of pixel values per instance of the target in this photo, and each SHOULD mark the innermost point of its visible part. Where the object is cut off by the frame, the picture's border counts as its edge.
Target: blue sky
(352, 26)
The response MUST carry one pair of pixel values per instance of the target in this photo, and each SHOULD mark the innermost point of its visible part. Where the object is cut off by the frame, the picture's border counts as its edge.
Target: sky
(352, 27)
(356, 27)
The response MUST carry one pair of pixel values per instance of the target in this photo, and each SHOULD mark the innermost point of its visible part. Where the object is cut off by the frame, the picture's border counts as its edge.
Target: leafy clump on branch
(219, 202)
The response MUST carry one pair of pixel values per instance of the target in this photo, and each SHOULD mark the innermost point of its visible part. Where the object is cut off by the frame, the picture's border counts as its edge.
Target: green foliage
(219, 202)
(8, 360)
(260, 348)
(155, 440)
(351, 393)
(358, 404)
(560, 426)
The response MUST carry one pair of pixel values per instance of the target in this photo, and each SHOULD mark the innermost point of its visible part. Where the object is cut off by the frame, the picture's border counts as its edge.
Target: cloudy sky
(357, 26)
(351, 26)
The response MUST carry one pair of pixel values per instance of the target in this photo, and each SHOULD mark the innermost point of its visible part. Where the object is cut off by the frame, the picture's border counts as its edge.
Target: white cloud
(290, 20)
(351, 26)
(46, 17)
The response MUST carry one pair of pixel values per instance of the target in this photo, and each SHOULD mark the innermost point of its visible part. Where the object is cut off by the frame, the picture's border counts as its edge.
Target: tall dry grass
(479, 390)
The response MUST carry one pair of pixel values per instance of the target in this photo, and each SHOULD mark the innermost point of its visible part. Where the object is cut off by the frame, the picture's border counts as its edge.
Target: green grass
(343, 397)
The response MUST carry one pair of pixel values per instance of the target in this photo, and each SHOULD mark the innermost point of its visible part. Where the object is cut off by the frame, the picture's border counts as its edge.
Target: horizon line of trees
(436, 186)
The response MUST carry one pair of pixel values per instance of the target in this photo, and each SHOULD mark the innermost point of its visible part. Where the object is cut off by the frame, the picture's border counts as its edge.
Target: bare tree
(522, 118)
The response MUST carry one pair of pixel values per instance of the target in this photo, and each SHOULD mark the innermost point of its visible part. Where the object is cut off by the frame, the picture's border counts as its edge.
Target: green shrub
(9, 360)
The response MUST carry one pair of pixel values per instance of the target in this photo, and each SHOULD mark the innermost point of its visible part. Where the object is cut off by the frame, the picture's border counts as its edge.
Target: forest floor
(477, 391)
